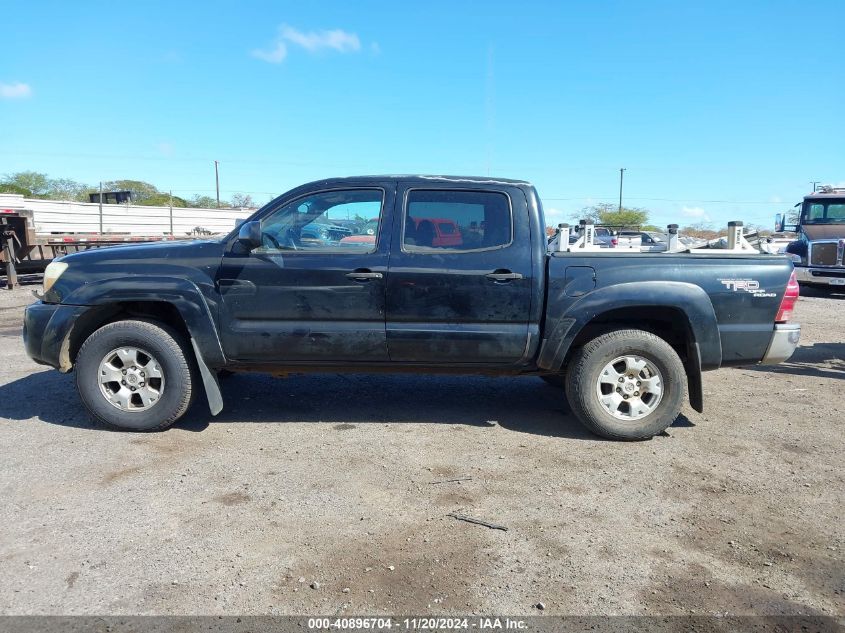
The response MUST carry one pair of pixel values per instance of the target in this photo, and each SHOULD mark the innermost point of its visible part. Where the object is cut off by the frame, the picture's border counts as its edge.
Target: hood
(194, 260)
(171, 251)
(824, 231)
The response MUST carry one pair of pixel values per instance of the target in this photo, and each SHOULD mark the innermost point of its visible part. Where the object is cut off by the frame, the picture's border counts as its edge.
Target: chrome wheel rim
(131, 379)
(630, 387)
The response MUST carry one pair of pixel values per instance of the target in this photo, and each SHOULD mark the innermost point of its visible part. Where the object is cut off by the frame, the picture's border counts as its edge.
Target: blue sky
(718, 110)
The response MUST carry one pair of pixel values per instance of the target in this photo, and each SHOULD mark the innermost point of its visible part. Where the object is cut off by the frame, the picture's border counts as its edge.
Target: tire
(594, 385)
(133, 352)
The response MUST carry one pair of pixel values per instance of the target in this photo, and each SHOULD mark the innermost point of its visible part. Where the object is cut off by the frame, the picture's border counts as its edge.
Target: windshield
(823, 212)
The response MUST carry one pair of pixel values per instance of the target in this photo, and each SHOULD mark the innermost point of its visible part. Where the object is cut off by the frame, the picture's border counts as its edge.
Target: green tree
(701, 230)
(37, 184)
(7, 187)
(206, 202)
(141, 190)
(242, 200)
(608, 213)
(67, 189)
(163, 200)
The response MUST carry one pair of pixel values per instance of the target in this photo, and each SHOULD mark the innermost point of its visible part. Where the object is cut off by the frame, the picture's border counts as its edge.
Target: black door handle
(503, 275)
(236, 286)
(363, 274)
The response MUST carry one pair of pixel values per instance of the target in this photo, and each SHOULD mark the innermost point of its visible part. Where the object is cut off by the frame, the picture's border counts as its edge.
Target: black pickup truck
(454, 276)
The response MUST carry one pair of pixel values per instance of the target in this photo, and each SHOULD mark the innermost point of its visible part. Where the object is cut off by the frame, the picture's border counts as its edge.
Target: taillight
(790, 297)
(614, 242)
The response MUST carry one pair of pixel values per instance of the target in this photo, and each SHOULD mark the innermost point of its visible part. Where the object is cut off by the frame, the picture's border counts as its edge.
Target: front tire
(135, 375)
(626, 385)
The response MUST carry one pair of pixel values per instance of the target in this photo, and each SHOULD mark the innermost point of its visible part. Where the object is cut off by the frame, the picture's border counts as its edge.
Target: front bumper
(46, 332)
(783, 343)
(820, 275)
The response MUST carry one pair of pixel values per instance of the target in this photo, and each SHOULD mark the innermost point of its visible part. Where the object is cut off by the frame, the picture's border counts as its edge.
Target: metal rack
(737, 242)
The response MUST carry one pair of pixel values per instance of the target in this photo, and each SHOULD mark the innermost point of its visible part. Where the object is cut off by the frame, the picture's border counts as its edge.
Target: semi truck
(819, 252)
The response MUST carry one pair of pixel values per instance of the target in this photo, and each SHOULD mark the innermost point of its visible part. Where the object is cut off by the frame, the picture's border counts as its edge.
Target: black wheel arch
(176, 302)
(671, 323)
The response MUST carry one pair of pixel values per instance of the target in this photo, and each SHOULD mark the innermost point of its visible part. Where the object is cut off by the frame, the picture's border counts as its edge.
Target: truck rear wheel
(626, 385)
(135, 375)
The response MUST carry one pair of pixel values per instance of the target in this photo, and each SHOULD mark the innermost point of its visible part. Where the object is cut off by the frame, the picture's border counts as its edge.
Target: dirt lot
(328, 479)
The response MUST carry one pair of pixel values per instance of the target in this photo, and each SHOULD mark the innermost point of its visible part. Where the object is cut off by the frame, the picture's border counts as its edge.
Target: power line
(584, 198)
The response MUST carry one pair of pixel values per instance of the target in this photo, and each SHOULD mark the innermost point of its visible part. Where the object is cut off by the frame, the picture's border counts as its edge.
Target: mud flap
(209, 381)
(694, 387)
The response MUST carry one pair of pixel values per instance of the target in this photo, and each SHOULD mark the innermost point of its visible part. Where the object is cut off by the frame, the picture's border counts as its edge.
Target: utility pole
(217, 181)
(101, 207)
(621, 176)
(814, 183)
(171, 213)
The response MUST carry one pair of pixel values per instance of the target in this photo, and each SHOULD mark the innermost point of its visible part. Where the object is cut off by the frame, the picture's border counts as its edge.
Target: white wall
(54, 216)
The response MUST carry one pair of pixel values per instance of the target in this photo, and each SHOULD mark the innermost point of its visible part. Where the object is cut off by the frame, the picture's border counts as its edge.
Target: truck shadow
(519, 404)
(819, 360)
(825, 292)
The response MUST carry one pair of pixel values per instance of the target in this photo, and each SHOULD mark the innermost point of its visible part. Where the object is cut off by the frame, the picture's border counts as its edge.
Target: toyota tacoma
(625, 334)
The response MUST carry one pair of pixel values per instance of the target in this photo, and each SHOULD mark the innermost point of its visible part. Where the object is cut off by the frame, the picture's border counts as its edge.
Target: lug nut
(625, 396)
(636, 393)
(122, 382)
(132, 388)
(638, 382)
(621, 378)
(123, 371)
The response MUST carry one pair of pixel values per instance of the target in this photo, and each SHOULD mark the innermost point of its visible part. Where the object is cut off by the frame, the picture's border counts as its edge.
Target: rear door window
(439, 220)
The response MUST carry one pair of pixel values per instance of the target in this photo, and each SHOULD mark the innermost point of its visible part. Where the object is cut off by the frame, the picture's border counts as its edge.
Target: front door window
(340, 220)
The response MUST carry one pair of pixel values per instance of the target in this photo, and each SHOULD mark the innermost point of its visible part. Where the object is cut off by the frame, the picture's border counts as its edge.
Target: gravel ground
(315, 494)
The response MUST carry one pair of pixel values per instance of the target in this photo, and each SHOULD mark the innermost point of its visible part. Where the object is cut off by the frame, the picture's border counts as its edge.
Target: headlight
(52, 273)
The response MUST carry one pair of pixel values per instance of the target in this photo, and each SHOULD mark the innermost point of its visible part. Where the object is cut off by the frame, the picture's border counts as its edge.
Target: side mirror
(779, 221)
(250, 234)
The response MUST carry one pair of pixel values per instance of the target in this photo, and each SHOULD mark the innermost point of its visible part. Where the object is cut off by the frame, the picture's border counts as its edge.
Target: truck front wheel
(135, 375)
(626, 385)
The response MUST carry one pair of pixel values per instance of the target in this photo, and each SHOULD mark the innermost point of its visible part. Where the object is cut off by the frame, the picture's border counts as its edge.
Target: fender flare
(189, 301)
(689, 299)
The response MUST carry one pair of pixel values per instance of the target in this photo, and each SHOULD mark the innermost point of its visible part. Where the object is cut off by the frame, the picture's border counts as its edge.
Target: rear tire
(135, 375)
(626, 385)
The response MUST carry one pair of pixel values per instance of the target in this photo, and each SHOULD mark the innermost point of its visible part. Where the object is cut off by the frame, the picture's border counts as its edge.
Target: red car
(434, 232)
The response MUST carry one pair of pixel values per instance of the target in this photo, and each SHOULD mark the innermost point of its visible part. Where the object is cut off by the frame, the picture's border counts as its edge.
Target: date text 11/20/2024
(416, 624)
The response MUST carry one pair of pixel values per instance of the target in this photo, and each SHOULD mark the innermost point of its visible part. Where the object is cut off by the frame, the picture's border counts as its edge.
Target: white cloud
(165, 148)
(695, 213)
(313, 41)
(554, 216)
(275, 55)
(775, 200)
(15, 91)
(310, 41)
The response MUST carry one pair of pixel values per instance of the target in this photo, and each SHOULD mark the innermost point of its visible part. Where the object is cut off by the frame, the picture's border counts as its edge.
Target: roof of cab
(428, 178)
